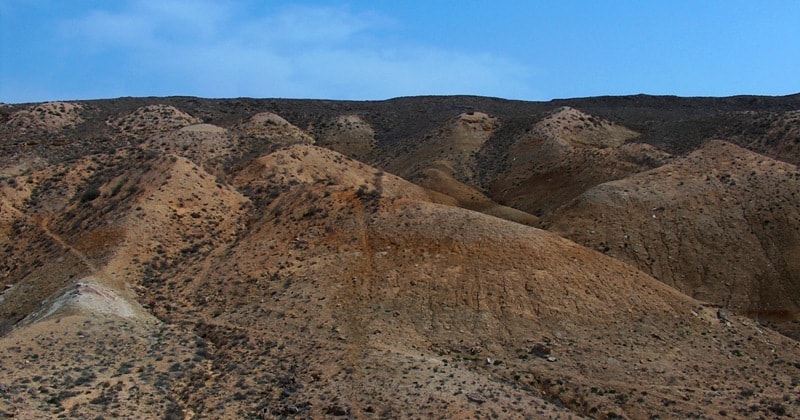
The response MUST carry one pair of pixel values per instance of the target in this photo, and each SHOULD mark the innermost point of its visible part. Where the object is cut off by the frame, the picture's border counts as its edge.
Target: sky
(380, 49)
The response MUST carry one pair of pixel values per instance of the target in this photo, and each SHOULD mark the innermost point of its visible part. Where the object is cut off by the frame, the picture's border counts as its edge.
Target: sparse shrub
(173, 411)
(312, 211)
(116, 189)
(778, 409)
(90, 194)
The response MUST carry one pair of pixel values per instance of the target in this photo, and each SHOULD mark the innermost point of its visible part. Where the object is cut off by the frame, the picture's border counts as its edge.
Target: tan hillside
(205, 144)
(80, 365)
(273, 173)
(565, 154)
(16, 165)
(444, 161)
(235, 269)
(152, 119)
(381, 287)
(569, 127)
(451, 145)
(49, 117)
(349, 135)
(271, 127)
(720, 224)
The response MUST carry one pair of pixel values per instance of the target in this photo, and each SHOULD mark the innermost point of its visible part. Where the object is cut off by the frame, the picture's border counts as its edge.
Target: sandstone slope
(722, 224)
(237, 270)
(349, 135)
(561, 156)
(445, 161)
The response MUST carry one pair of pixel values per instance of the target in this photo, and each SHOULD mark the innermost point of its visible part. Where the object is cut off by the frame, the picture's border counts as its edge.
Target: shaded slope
(445, 161)
(349, 135)
(720, 224)
(344, 285)
(774, 134)
(559, 157)
(453, 144)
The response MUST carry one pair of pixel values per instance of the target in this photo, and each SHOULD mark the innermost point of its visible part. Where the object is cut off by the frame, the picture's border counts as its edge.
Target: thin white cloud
(212, 49)
(306, 25)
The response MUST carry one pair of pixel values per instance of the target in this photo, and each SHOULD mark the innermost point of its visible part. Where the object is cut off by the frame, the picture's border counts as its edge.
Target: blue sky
(533, 50)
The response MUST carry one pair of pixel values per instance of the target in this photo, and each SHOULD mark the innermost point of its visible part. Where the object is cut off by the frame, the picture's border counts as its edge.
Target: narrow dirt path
(43, 224)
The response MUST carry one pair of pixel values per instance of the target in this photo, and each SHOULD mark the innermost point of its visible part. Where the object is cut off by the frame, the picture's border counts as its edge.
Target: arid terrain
(422, 257)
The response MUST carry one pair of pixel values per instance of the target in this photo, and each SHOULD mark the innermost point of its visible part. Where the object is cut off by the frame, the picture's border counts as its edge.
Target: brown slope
(444, 161)
(346, 282)
(148, 212)
(109, 218)
(347, 285)
(561, 156)
(773, 134)
(273, 128)
(151, 119)
(349, 135)
(35, 262)
(720, 224)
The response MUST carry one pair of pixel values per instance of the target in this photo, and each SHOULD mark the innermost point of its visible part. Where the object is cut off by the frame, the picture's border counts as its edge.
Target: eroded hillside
(224, 259)
(721, 224)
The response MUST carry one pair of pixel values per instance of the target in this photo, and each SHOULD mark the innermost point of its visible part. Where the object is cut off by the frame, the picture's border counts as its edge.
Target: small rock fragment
(723, 315)
(338, 410)
(476, 397)
(540, 350)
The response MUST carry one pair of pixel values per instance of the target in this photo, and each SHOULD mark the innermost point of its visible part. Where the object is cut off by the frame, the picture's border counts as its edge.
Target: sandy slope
(186, 276)
(720, 224)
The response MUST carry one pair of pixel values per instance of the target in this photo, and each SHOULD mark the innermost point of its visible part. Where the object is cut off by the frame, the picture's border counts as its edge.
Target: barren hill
(722, 224)
(446, 161)
(347, 134)
(193, 258)
(559, 157)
